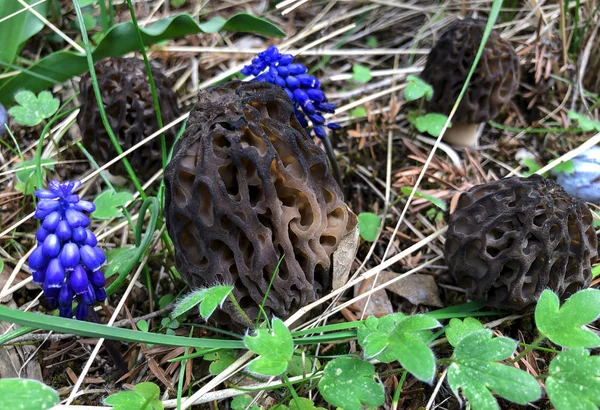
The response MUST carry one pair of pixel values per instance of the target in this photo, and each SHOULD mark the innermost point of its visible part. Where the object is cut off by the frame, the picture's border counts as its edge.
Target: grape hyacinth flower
(303, 89)
(67, 259)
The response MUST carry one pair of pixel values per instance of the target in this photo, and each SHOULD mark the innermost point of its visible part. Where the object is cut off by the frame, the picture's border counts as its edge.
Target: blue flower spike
(67, 259)
(303, 89)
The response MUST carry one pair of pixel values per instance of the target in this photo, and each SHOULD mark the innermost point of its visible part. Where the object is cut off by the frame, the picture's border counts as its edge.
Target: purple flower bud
(66, 312)
(292, 82)
(289, 93)
(98, 279)
(38, 276)
(315, 95)
(65, 296)
(302, 120)
(320, 132)
(37, 260)
(334, 126)
(51, 221)
(75, 218)
(100, 294)
(79, 234)
(247, 70)
(78, 280)
(41, 234)
(89, 296)
(283, 71)
(51, 246)
(81, 313)
(92, 258)
(45, 194)
(55, 275)
(325, 107)
(52, 300)
(90, 238)
(301, 96)
(72, 199)
(286, 59)
(63, 231)
(280, 82)
(308, 80)
(46, 207)
(317, 119)
(69, 256)
(308, 108)
(296, 69)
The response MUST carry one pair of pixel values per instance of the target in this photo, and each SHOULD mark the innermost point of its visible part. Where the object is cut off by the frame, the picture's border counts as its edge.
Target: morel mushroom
(246, 186)
(129, 106)
(509, 240)
(493, 84)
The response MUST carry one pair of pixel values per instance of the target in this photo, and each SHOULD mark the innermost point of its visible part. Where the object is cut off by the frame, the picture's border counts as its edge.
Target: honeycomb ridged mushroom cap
(493, 84)
(510, 239)
(245, 186)
(129, 106)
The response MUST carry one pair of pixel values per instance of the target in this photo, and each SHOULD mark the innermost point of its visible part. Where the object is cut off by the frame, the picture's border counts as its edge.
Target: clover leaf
(368, 225)
(33, 110)
(209, 299)
(431, 123)
(457, 329)
(565, 326)
(275, 349)
(109, 202)
(474, 371)
(349, 383)
(404, 339)
(361, 73)
(586, 123)
(39, 396)
(574, 380)
(417, 88)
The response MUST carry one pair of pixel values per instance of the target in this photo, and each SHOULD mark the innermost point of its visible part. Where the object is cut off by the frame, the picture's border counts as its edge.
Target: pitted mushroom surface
(246, 186)
(510, 239)
(129, 106)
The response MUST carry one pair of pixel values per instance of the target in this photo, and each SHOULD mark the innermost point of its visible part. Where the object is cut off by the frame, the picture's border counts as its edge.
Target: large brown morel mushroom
(493, 84)
(246, 185)
(509, 240)
(127, 99)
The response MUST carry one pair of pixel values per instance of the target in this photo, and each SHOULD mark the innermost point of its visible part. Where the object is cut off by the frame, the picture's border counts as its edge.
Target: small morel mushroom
(67, 259)
(509, 240)
(245, 186)
(129, 106)
(493, 84)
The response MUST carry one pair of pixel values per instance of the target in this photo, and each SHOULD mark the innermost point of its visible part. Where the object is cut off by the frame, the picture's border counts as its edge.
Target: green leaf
(457, 329)
(595, 269)
(298, 367)
(242, 402)
(586, 123)
(150, 392)
(275, 349)
(109, 202)
(368, 225)
(532, 166)
(361, 73)
(18, 28)
(573, 381)
(372, 41)
(221, 360)
(567, 167)
(209, 299)
(305, 404)
(358, 112)
(566, 326)
(25, 173)
(33, 110)
(406, 190)
(39, 396)
(474, 371)
(417, 88)
(118, 259)
(177, 3)
(349, 383)
(145, 396)
(120, 40)
(431, 123)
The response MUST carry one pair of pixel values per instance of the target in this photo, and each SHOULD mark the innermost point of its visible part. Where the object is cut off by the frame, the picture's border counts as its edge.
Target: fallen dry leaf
(418, 289)
(344, 256)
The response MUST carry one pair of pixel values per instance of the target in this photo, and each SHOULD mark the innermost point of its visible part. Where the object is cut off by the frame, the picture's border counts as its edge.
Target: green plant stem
(292, 390)
(396, 397)
(239, 309)
(264, 301)
(113, 139)
(529, 348)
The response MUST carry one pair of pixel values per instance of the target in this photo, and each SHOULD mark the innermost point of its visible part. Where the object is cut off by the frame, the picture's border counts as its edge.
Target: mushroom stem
(465, 135)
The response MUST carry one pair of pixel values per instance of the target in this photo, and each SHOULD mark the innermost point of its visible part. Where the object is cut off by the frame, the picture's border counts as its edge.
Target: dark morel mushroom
(246, 185)
(493, 84)
(129, 106)
(509, 240)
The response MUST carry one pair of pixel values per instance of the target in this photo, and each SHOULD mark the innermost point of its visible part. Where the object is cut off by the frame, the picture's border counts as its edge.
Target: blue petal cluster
(303, 89)
(67, 260)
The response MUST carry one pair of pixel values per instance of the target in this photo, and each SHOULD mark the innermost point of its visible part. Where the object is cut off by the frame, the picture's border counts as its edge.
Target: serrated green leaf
(566, 326)
(457, 329)
(39, 396)
(120, 40)
(474, 371)
(275, 349)
(417, 88)
(209, 300)
(349, 383)
(384, 325)
(573, 381)
(32, 110)
(368, 225)
(432, 123)
(406, 190)
(117, 259)
(221, 360)
(586, 124)
(109, 202)
(361, 73)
